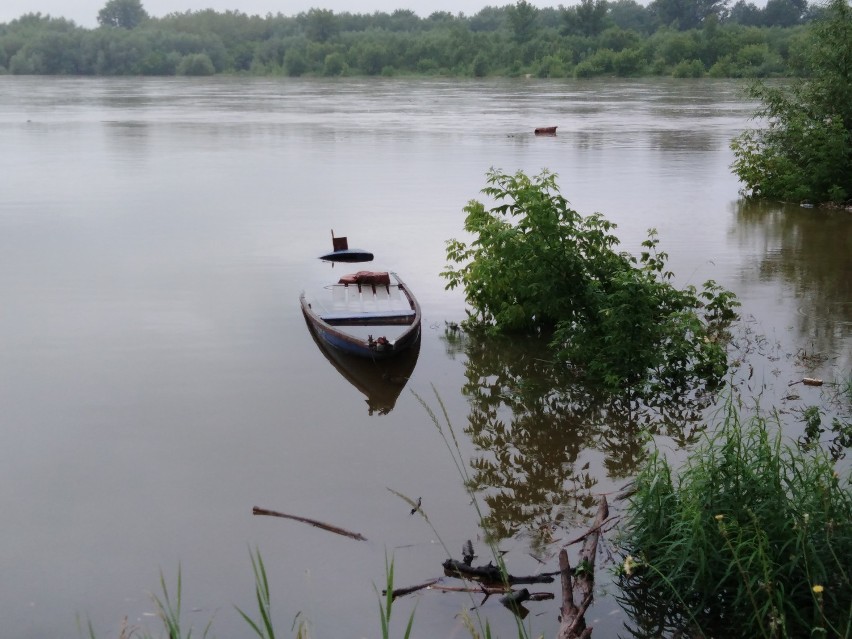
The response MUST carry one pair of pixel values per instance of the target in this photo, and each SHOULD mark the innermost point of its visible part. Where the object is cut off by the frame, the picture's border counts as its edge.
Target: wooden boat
(545, 130)
(381, 382)
(369, 314)
(342, 253)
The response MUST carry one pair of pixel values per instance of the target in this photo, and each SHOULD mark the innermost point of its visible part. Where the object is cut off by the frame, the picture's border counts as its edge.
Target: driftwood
(489, 579)
(433, 584)
(513, 602)
(312, 522)
(578, 584)
(807, 381)
(401, 592)
(485, 590)
(490, 574)
(515, 598)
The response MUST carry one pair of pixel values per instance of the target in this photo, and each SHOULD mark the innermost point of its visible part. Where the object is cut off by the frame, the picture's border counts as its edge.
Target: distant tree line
(686, 38)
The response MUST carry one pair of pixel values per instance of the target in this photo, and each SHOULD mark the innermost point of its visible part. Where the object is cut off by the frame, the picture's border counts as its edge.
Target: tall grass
(752, 538)
(262, 627)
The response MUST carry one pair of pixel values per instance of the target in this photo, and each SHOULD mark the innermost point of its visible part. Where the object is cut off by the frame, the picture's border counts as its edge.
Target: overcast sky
(85, 12)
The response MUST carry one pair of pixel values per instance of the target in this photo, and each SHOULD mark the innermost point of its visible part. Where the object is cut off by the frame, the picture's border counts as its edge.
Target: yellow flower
(629, 565)
(719, 517)
(817, 589)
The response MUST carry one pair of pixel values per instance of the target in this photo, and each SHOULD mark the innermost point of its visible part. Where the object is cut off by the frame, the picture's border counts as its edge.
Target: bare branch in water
(401, 592)
(313, 522)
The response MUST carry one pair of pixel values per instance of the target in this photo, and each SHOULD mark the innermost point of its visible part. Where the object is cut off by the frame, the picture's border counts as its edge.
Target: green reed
(262, 627)
(752, 538)
(169, 613)
(386, 608)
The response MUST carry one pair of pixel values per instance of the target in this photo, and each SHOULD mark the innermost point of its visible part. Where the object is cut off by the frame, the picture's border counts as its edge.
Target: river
(158, 380)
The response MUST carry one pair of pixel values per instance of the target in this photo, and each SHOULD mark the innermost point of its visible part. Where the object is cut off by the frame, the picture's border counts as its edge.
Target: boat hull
(346, 341)
(381, 382)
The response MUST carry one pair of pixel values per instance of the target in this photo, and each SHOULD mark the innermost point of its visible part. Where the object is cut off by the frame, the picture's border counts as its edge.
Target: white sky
(85, 12)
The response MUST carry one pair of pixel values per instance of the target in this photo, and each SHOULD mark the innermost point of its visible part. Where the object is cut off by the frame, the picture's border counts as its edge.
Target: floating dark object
(545, 130)
(342, 253)
(348, 255)
(360, 305)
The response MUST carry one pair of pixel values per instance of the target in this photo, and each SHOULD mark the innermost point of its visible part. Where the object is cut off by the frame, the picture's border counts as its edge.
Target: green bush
(688, 69)
(196, 64)
(295, 62)
(628, 62)
(722, 68)
(599, 63)
(480, 66)
(334, 64)
(751, 538)
(551, 67)
(538, 266)
(586, 69)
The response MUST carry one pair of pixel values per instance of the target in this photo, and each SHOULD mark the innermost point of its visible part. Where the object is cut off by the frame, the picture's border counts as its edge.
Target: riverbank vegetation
(804, 152)
(752, 538)
(595, 37)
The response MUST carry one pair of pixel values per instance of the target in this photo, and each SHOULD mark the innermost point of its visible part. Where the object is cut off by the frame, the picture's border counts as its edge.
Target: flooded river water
(157, 379)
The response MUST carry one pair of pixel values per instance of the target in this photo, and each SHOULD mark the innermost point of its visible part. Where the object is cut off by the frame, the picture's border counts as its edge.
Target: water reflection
(810, 252)
(381, 382)
(532, 425)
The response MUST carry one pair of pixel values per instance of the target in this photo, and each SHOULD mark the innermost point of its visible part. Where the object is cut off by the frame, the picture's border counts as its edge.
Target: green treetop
(805, 150)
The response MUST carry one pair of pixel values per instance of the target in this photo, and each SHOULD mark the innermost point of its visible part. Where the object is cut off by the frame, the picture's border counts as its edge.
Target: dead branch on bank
(579, 583)
(312, 522)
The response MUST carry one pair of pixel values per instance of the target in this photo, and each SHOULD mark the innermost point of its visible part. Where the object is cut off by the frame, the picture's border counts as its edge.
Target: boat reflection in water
(381, 381)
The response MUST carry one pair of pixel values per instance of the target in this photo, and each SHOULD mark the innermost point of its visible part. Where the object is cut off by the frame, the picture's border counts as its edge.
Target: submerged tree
(805, 151)
(538, 266)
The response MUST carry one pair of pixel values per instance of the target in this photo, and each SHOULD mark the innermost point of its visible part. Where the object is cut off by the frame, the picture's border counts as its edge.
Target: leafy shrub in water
(752, 539)
(536, 265)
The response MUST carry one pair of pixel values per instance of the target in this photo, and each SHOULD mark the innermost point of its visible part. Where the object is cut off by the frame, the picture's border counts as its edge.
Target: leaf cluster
(536, 265)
